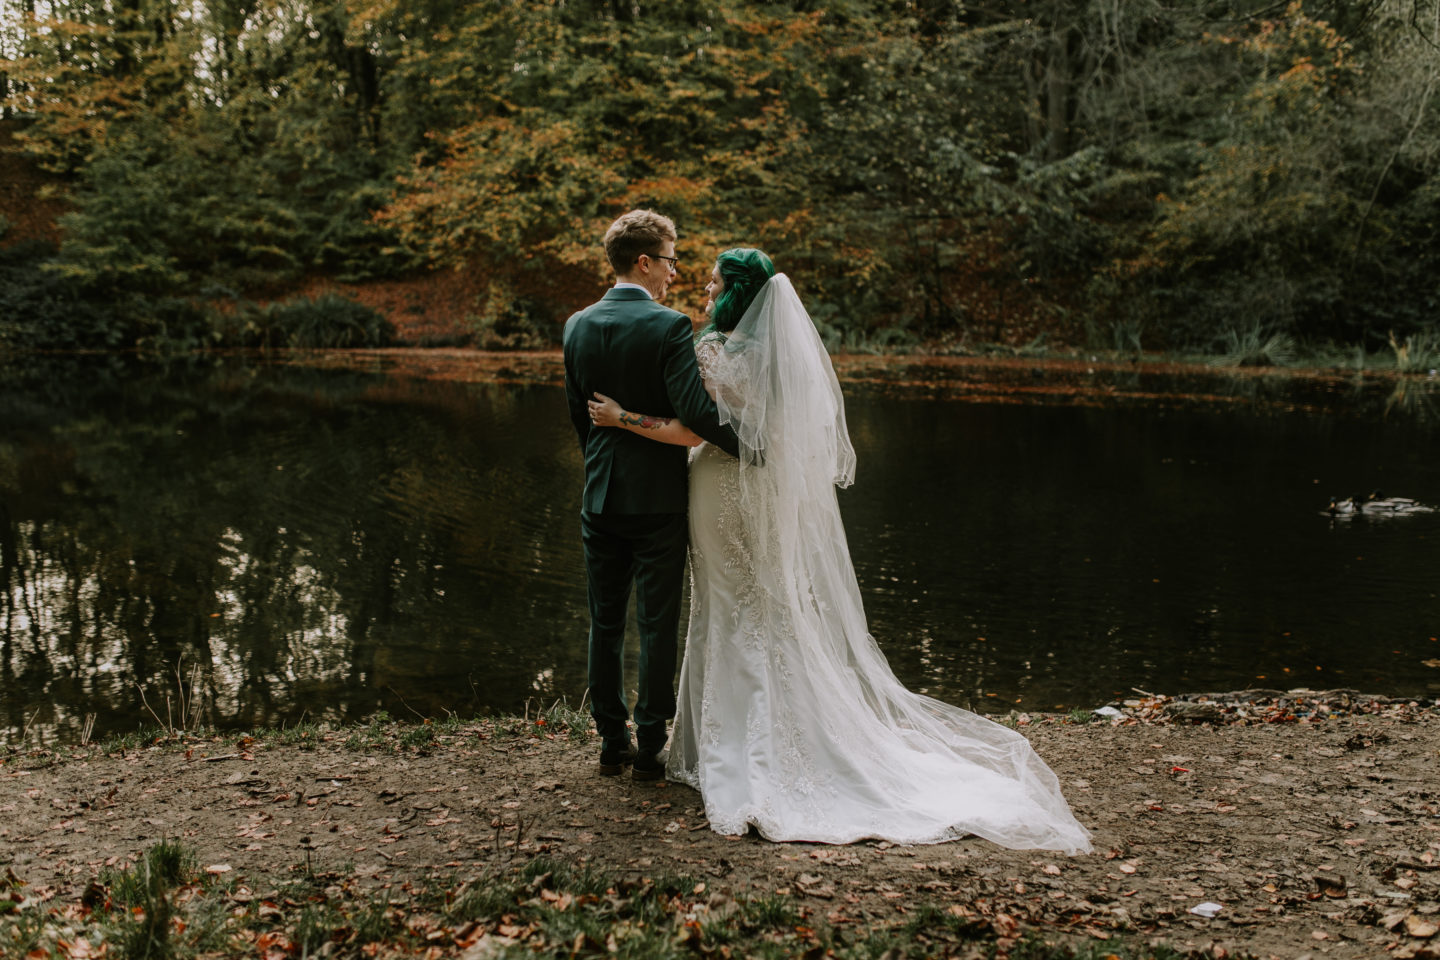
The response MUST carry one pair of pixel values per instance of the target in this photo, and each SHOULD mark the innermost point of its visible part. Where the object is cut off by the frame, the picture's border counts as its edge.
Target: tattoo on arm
(642, 421)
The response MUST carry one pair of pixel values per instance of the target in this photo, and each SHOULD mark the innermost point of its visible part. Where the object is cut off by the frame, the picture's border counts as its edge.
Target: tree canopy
(1094, 170)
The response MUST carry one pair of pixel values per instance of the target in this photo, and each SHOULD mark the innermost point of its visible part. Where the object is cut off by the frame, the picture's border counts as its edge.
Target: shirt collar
(627, 285)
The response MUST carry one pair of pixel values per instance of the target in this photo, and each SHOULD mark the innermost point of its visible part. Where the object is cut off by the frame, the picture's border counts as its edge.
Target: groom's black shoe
(615, 757)
(649, 765)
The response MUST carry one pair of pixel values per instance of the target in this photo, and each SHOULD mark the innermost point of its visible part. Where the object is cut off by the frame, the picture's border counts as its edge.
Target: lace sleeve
(709, 352)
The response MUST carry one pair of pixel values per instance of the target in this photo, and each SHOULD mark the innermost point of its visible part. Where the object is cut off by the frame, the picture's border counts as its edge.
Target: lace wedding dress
(790, 718)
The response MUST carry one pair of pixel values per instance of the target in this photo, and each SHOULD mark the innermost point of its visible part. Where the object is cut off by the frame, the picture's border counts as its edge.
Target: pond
(257, 542)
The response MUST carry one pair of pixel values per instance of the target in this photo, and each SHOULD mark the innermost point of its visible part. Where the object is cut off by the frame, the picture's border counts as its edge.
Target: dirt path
(1317, 837)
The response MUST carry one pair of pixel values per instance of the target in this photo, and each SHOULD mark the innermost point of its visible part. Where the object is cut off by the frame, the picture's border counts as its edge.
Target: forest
(1230, 176)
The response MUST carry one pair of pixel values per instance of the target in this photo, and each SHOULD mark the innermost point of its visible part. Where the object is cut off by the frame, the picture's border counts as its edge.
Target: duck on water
(1375, 505)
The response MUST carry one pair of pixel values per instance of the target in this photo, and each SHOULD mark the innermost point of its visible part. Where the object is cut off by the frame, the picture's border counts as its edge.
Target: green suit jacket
(631, 348)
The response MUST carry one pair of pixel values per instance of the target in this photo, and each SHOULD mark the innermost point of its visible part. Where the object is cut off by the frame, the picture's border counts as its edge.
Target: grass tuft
(165, 865)
(1254, 347)
(143, 736)
(1418, 354)
(769, 912)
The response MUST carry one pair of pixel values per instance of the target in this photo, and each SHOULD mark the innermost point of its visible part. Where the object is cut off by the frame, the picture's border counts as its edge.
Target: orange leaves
(81, 949)
(506, 183)
(273, 945)
(79, 78)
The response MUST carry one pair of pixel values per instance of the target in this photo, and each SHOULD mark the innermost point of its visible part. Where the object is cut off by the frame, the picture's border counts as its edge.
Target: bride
(789, 717)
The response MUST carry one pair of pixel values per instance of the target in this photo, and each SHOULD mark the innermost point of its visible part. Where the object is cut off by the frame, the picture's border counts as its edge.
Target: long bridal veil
(850, 751)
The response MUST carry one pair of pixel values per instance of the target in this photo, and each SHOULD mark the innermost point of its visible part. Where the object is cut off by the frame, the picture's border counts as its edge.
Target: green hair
(744, 271)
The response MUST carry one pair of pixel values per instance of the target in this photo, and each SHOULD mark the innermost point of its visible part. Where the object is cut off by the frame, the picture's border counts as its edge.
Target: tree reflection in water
(326, 544)
(300, 536)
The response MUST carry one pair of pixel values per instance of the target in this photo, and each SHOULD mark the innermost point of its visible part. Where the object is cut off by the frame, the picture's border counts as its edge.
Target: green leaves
(933, 171)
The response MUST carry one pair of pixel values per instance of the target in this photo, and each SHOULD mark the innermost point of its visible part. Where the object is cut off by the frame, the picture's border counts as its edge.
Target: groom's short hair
(634, 233)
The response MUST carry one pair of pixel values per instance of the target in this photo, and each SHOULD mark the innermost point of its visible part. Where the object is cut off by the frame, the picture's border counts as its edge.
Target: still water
(326, 538)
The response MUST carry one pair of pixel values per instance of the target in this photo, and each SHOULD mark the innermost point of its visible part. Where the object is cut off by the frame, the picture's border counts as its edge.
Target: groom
(632, 515)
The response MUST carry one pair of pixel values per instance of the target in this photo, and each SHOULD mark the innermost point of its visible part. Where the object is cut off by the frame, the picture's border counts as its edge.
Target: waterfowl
(1341, 508)
(1390, 506)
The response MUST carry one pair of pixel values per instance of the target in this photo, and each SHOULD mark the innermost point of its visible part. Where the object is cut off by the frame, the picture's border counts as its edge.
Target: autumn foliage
(1104, 172)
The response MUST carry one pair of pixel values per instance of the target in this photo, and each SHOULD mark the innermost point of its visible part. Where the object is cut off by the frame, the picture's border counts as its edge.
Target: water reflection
(1412, 398)
(320, 544)
(324, 543)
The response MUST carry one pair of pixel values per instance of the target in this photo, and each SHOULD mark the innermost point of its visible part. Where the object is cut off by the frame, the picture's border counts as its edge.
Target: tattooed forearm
(642, 421)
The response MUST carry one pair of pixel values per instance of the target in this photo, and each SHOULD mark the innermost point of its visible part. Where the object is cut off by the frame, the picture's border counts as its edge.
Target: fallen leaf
(81, 949)
(1420, 928)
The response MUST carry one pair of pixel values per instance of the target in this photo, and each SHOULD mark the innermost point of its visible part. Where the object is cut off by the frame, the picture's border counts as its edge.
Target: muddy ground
(1316, 832)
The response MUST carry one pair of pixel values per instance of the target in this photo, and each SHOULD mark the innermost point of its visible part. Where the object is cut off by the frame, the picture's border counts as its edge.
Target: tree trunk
(127, 22)
(1057, 97)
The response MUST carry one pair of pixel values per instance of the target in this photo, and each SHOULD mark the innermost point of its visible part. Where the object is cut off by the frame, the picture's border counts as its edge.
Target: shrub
(40, 309)
(327, 321)
(517, 325)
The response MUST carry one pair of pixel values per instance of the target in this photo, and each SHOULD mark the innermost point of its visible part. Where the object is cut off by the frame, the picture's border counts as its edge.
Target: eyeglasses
(673, 261)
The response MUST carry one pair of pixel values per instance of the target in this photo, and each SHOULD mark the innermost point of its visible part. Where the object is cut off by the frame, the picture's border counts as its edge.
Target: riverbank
(996, 372)
(1311, 821)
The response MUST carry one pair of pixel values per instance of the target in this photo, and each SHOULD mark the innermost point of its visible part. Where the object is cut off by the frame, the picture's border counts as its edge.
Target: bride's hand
(605, 412)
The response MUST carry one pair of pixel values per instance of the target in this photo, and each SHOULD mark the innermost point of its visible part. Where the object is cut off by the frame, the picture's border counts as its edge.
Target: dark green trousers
(648, 551)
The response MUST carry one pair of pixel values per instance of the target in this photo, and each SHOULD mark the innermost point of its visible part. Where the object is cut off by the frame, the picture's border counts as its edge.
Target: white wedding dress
(789, 716)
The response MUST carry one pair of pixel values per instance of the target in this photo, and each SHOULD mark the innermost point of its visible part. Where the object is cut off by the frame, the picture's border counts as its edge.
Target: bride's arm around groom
(635, 497)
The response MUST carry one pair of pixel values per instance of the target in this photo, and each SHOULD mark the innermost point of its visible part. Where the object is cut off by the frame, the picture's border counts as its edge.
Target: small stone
(1196, 712)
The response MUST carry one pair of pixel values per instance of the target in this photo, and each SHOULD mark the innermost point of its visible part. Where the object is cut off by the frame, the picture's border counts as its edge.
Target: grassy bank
(1305, 815)
(171, 901)
(167, 905)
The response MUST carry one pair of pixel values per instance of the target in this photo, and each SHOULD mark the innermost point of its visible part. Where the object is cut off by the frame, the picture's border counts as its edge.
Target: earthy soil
(1314, 824)
(428, 308)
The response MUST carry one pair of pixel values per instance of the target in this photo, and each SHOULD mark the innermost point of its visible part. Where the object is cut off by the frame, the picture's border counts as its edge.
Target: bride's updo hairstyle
(744, 270)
